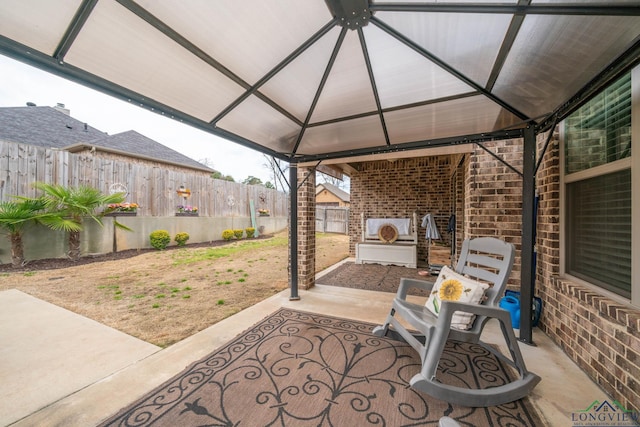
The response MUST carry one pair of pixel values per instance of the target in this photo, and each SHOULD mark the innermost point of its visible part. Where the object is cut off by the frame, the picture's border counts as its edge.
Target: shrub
(227, 234)
(238, 233)
(160, 239)
(181, 238)
(250, 232)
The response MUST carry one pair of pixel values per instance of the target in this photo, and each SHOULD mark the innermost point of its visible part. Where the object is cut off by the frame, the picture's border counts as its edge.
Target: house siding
(145, 162)
(326, 198)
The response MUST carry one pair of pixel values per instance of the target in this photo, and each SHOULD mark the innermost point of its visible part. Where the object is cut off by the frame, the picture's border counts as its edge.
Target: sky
(21, 83)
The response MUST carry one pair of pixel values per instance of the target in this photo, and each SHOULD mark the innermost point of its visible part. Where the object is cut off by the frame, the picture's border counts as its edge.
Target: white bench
(403, 251)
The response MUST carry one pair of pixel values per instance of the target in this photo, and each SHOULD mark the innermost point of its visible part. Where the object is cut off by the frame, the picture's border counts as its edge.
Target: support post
(527, 275)
(293, 231)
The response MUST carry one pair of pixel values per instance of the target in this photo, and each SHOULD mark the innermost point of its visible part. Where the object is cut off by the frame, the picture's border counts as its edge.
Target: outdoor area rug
(372, 277)
(302, 369)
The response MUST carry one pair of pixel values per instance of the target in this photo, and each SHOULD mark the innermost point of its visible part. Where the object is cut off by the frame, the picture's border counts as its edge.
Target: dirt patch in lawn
(165, 296)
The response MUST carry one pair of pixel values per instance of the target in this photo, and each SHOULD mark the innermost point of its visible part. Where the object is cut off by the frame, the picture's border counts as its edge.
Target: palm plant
(14, 216)
(69, 206)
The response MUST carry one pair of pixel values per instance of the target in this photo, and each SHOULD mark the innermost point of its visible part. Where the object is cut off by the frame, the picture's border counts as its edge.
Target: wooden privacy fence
(332, 220)
(153, 186)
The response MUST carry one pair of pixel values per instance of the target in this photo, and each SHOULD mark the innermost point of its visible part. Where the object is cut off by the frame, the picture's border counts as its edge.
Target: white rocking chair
(486, 259)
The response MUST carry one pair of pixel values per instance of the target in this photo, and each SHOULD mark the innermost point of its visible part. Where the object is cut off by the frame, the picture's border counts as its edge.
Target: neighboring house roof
(340, 194)
(43, 126)
(134, 144)
(53, 127)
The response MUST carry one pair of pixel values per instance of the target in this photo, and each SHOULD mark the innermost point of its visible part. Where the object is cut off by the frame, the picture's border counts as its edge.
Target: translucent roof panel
(450, 1)
(571, 49)
(302, 80)
(36, 23)
(249, 37)
(402, 77)
(348, 90)
(256, 121)
(145, 61)
(465, 116)
(302, 77)
(365, 132)
(473, 55)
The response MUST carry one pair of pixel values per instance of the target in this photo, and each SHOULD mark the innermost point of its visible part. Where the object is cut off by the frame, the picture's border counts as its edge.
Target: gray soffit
(314, 79)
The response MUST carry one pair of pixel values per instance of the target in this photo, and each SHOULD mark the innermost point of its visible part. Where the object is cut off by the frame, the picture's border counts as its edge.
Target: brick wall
(599, 334)
(396, 189)
(458, 184)
(493, 197)
(306, 227)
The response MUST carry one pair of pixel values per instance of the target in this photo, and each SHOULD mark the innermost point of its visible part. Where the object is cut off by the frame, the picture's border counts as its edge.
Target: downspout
(293, 231)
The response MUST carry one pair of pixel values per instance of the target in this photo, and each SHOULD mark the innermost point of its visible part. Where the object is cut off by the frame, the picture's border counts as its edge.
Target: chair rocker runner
(488, 260)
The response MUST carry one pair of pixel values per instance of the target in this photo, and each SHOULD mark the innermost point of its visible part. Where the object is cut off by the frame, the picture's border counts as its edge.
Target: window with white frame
(598, 190)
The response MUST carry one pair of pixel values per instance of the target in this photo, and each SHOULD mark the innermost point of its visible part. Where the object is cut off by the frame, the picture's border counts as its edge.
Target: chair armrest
(406, 284)
(447, 308)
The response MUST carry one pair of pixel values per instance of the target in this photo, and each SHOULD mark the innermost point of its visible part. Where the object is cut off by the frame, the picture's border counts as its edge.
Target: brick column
(306, 227)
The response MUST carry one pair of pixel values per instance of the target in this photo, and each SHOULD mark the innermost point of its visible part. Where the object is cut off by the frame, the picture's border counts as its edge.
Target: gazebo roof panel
(301, 77)
(120, 47)
(347, 90)
(402, 77)
(357, 133)
(292, 80)
(439, 33)
(553, 57)
(266, 124)
(40, 27)
(249, 37)
(433, 121)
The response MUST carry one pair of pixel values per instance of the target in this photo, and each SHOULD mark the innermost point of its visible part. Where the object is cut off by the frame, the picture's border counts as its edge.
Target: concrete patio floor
(97, 383)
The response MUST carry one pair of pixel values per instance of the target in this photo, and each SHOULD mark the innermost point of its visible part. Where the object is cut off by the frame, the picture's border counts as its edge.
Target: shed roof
(321, 79)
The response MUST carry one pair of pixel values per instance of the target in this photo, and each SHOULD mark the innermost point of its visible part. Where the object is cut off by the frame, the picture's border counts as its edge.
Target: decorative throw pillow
(455, 287)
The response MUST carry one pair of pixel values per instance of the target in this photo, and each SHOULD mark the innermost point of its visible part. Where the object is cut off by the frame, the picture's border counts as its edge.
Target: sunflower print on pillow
(451, 286)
